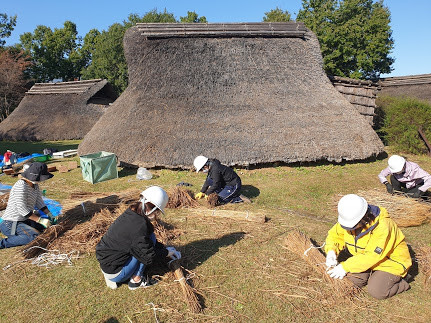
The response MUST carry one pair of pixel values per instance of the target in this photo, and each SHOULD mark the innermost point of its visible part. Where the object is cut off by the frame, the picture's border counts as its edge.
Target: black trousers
(401, 187)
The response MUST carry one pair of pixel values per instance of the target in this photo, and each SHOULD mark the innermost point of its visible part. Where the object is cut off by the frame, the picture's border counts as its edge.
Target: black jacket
(128, 235)
(221, 176)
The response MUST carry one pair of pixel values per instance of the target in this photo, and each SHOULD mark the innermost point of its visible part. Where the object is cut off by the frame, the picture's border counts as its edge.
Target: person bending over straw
(221, 179)
(406, 177)
(380, 256)
(130, 246)
(22, 223)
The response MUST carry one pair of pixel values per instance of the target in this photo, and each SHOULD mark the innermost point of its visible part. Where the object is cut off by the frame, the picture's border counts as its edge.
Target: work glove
(331, 259)
(417, 194)
(44, 222)
(173, 253)
(337, 272)
(51, 218)
(200, 195)
(389, 188)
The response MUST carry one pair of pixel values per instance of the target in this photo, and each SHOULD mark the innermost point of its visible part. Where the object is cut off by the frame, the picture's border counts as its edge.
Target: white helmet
(396, 163)
(351, 209)
(199, 162)
(157, 196)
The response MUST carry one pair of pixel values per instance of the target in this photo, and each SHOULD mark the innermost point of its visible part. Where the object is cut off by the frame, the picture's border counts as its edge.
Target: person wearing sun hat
(22, 222)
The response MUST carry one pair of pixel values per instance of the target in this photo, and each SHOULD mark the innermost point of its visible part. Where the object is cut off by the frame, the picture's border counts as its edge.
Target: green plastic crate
(43, 158)
(99, 167)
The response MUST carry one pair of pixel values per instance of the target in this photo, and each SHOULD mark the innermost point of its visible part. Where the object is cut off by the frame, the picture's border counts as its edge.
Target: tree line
(354, 35)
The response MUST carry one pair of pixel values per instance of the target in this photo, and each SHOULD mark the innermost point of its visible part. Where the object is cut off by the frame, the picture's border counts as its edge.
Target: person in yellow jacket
(380, 256)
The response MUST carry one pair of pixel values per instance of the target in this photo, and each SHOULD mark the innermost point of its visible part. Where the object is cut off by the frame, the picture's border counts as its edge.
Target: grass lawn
(242, 268)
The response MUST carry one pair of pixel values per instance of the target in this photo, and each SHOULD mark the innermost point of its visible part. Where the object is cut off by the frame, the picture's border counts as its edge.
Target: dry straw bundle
(75, 212)
(298, 243)
(406, 212)
(3, 201)
(181, 197)
(423, 256)
(188, 291)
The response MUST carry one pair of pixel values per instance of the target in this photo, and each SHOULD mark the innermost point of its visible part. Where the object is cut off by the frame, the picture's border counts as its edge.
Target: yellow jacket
(380, 246)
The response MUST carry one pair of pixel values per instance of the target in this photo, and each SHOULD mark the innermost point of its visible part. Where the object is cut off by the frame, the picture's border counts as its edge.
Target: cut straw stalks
(236, 215)
(180, 197)
(405, 211)
(298, 243)
(423, 256)
(75, 212)
(189, 292)
(3, 201)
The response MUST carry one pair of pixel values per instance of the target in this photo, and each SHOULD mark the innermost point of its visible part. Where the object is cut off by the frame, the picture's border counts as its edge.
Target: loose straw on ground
(180, 197)
(188, 291)
(3, 201)
(236, 215)
(405, 211)
(75, 212)
(423, 256)
(298, 243)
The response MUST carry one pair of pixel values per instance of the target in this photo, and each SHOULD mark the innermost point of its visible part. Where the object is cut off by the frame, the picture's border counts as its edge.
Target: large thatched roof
(360, 93)
(243, 95)
(417, 86)
(58, 111)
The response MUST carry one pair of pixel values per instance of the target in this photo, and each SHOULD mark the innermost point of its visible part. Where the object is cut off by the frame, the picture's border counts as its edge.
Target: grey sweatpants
(380, 284)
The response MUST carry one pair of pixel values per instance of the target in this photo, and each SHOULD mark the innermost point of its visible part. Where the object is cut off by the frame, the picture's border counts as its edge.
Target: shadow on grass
(111, 320)
(250, 191)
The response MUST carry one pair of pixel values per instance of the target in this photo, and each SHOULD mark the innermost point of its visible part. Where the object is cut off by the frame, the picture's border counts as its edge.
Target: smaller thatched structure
(361, 94)
(58, 111)
(416, 86)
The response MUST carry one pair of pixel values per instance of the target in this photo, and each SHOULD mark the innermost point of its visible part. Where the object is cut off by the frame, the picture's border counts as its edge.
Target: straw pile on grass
(3, 201)
(212, 199)
(189, 292)
(74, 213)
(406, 212)
(300, 244)
(180, 197)
(423, 256)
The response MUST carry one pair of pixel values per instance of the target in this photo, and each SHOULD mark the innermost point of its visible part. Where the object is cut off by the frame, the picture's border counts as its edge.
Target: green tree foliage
(7, 24)
(106, 49)
(354, 35)
(276, 15)
(55, 54)
(402, 117)
(192, 17)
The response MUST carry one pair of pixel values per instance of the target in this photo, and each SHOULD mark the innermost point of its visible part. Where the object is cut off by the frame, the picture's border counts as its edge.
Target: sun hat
(37, 172)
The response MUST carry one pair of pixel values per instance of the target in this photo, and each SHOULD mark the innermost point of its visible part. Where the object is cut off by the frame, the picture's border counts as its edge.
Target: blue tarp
(53, 206)
(22, 158)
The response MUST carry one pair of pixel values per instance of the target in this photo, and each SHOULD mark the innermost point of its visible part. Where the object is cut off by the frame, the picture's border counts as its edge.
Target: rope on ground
(48, 259)
(313, 247)
(155, 309)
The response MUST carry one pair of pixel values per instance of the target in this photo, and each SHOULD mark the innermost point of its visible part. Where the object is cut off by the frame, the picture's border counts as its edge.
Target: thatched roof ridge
(58, 111)
(269, 29)
(417, 86)
(360, 93)
(243, 100)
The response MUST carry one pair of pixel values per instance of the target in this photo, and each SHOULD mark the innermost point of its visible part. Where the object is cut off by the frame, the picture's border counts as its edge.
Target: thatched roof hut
(361, 94)
(416, 86)
(58, 111)
(243, 93)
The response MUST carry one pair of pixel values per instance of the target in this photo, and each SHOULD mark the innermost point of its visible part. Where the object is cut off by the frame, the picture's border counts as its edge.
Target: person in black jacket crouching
(129, 245)
(221, 179)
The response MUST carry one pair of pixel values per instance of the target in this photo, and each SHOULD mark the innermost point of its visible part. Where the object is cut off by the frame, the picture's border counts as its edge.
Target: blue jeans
(132, 267)
(23, 235)
(228, 194)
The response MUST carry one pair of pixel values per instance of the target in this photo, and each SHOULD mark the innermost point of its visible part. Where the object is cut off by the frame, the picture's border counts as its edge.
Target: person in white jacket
(405, 176)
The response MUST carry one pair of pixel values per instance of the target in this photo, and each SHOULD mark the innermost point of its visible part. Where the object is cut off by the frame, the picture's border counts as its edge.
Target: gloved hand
(331, 259)
(173, 253)
(389, 188)
(52, 218)
(44, 221)
(337, 272)
(417, 194)
(200, 195)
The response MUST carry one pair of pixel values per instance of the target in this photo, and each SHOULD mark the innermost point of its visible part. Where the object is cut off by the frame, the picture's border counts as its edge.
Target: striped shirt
(22, 200)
